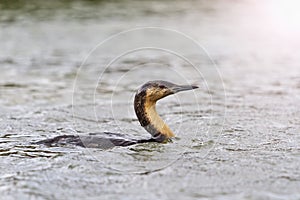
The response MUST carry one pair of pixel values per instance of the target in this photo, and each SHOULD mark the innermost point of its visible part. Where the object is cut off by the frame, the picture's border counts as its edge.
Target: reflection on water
(256, 47)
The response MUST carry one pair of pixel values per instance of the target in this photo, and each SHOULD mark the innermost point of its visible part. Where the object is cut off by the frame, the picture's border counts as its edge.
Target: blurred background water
(243, 147)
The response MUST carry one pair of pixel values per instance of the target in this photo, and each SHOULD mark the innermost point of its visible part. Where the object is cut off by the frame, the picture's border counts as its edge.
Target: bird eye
(162, 86)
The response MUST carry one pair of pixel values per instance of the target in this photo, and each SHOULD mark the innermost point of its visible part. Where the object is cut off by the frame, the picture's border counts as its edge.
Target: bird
(145, 108)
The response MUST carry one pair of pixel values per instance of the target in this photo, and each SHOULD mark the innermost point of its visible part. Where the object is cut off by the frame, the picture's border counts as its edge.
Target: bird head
(156, 90)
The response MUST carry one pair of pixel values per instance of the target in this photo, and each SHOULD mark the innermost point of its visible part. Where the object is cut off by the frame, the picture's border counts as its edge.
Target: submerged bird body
(145, 109)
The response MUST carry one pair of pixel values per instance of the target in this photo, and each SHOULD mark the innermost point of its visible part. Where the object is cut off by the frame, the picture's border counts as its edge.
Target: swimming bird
(145, 108)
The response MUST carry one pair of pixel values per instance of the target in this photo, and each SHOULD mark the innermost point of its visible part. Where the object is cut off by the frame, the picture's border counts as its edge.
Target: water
(243, 147)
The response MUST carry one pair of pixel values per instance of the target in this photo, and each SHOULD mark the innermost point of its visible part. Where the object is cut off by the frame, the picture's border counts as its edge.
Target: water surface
(244, 147)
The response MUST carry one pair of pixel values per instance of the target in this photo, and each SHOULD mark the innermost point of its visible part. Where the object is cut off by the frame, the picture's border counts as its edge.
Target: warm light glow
(285, 13)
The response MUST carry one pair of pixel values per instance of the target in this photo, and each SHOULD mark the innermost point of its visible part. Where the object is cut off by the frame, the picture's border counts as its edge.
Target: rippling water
(243, 147)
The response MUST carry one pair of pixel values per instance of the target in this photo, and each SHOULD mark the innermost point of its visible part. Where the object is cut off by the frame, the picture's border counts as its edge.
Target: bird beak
(180, 88)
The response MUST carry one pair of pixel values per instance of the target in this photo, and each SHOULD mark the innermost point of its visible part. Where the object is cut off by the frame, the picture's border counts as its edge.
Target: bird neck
(145, 110)
(156, 121)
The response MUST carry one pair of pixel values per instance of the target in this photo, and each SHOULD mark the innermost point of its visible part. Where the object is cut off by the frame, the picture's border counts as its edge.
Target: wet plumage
(145, 108)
